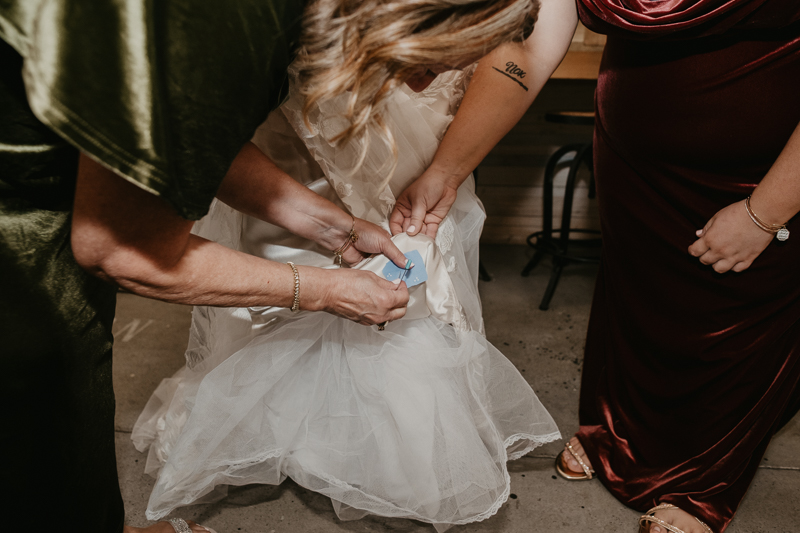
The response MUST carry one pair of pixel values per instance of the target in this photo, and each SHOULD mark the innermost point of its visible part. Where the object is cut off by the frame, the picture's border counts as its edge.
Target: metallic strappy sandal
(648, 518)
(180, 526)
(564, 471)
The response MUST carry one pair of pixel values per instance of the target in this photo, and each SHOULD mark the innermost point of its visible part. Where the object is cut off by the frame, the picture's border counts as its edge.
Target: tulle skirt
(417, 421)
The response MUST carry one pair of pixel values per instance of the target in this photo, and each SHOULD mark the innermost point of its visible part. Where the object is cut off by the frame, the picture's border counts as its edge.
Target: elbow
(114, 263)
(92, 255)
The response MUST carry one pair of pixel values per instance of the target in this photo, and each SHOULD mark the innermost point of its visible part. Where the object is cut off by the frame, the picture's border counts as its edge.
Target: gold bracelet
(352, 238)
(780, 230)
(296, 302)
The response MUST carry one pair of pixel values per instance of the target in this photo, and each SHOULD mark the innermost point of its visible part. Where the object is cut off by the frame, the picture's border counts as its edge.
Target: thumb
(390, 250)
(705, 228)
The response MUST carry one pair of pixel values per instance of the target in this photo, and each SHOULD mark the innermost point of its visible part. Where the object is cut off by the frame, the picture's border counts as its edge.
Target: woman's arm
(256, 186)
(492, 105)
(731, 240)
(126, 235)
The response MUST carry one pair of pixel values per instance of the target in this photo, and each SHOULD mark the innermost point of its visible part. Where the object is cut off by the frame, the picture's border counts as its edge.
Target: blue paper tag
(412, 277)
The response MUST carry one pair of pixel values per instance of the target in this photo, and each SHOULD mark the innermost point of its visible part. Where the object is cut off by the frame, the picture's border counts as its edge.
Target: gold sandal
(564, 471)
(180, 526)
(648, 518)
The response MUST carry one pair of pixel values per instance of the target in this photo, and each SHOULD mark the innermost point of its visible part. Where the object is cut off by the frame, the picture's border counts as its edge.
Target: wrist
(770, 211)
(448, 175)
(779, 229)
(313, 288)
(336, 232)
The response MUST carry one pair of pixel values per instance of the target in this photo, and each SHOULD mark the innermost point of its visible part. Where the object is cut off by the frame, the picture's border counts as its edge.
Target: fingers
(397, 314)
(398, 300)
(741, 266)
(705, 228)
(698, 247)
(418, 211)
(390, 250)
(430, 230)
(710, 257)
(717, 261)
(399, 293)
(723, 265)
(397, 218)
(394, 304)
(391, 316)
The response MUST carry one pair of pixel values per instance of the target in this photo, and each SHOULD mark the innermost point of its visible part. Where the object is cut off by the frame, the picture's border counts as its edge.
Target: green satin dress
(165, 93)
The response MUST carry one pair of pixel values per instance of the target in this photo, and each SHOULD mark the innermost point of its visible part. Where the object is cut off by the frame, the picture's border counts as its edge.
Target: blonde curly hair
(370, 47)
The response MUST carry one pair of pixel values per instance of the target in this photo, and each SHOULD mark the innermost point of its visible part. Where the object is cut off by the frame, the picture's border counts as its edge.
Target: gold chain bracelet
(779, 230)
(352, 238)
(296, 302)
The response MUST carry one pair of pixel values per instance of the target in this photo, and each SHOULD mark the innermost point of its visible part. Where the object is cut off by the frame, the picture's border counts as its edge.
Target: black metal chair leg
(555, 275)
(537, 256)
(545, 241)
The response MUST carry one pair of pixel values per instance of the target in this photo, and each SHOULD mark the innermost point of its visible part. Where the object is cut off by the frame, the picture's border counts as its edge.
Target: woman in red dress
(692, 359)
(691, 367)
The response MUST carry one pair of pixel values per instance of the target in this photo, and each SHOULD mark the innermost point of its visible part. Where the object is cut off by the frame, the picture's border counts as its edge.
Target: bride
(416, 419)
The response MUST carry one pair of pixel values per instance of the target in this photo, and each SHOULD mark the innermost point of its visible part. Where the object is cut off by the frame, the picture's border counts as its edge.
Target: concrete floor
(546, 346)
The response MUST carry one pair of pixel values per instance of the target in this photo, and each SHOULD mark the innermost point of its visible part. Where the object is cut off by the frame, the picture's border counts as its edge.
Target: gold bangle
(296, 302)
(352, 238)
(780, 230)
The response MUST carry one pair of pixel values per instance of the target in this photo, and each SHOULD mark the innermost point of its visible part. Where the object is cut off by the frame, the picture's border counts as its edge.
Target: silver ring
(180, 525)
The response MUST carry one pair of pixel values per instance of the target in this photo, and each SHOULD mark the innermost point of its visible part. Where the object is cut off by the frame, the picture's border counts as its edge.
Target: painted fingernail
(411, 229)
(655, 529)
(397, 281)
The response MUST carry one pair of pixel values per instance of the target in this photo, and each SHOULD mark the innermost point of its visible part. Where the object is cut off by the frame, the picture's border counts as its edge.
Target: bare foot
(572, 463)
(680, 519)
(164, 527)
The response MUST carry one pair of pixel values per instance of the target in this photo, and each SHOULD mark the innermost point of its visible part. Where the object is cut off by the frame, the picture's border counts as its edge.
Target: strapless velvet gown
(417, 421)
(689, 373)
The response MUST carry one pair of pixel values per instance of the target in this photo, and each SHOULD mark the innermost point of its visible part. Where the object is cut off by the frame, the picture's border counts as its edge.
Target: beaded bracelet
(352, 238)
(780, 230)
(296, 302)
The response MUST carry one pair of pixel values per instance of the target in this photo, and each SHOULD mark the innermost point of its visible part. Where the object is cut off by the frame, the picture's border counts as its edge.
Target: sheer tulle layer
(416, 421)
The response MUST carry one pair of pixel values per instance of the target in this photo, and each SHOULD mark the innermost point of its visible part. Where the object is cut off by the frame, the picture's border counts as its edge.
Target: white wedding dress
(417, 421)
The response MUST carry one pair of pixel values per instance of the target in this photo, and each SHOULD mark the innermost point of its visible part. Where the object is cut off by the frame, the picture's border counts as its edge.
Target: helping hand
(372, 239)
(423, 206)
(362, 296)
(730, 240)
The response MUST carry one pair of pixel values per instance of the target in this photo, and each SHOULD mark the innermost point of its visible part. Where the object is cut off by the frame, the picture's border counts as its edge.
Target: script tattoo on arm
(513, 72)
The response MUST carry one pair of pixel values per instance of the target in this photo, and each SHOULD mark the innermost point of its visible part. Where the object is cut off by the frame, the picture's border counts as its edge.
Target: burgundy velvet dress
(688, 373)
